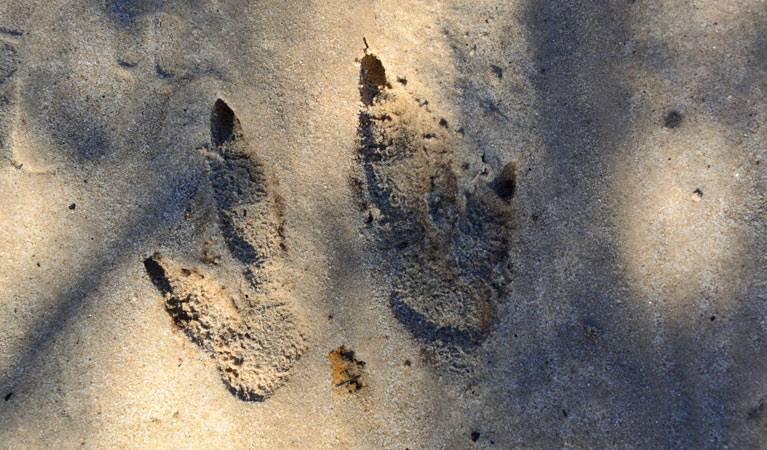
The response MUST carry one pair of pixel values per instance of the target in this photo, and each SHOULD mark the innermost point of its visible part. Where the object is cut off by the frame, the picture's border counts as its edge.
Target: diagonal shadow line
(561, 37)
(68, 308)
(572, 122)
(566, 49)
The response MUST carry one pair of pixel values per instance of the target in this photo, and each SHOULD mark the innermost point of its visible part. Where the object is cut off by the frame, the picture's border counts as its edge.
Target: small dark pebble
(407, 363)
(38, 264)
(443, 122)
(474, 436)
(8, 396)
(673, 119)
(402, 81)
(497, 70)
(72, 206)
(698, 192)
(713, 318)
(564, 412)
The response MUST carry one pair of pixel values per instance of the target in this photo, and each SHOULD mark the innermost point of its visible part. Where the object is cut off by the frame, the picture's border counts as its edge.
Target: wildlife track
(442, 230)
(9, 63)
(253, 333)
(253, 338)
(251, 217)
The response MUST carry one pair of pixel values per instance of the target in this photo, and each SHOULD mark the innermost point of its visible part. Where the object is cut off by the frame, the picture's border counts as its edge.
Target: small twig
(11, 32)
(349, 381)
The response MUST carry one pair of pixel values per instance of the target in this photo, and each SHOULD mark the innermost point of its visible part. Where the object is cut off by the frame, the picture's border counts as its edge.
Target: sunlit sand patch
(702, 16)
(679, 235)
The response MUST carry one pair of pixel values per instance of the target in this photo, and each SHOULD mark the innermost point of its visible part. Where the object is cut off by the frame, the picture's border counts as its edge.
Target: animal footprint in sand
(253, 338)
(443, 235)
(253, 333)
(250, 216)
(8, 99)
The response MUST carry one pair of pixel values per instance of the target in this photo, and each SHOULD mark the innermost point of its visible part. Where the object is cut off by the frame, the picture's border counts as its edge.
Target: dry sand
(486, 224)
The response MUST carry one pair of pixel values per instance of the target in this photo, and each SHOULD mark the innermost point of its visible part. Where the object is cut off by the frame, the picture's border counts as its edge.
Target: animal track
(8, 66)
(444, 242)
(8, 61)
(254, 339)
(253, 334)
(251, 219)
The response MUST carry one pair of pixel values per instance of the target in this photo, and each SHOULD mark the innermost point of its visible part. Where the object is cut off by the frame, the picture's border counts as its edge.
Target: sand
(490, 224)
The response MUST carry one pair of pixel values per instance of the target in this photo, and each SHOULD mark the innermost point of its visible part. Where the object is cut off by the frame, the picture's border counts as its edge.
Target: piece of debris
(673, 119)
(591, 331)
(346, 370)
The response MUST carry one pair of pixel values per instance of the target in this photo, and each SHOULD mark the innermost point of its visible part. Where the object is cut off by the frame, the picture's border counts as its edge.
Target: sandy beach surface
(383, 224)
